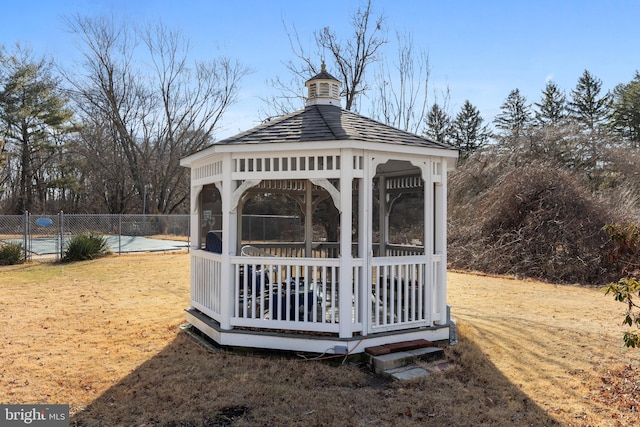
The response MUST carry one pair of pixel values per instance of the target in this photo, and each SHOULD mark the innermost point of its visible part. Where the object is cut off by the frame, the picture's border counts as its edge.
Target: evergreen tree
(626, 111)
(468, 132)
(34, 120)
(591, 111)
(552, 109)
(439, 125)
(587, 106)
(515, 116)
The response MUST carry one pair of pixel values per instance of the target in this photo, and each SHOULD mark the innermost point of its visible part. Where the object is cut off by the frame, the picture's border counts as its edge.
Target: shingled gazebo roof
(327, 123)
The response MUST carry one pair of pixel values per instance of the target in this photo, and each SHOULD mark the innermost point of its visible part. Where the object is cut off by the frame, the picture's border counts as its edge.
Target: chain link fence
(47, 235)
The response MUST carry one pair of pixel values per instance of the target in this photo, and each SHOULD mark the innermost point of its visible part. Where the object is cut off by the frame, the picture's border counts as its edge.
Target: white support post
(308, 219)
(429, 236)
(365, 231)
(226, 291)
(441, 240)
(346, 260)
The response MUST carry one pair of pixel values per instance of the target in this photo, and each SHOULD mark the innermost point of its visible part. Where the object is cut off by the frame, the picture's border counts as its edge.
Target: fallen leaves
(620, 390)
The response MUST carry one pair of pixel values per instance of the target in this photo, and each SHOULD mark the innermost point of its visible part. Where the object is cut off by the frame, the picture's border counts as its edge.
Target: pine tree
(515, 116)
(626, 111)
(34, 119)
(468, 132)
(439, 125)
(591, 111)
(552, 109)
(587, 106)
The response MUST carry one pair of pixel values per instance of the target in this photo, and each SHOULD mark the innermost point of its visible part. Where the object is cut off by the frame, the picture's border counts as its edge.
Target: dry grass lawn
(103, 336)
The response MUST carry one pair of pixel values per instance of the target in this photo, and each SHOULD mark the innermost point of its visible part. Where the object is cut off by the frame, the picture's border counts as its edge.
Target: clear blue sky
(481, 50)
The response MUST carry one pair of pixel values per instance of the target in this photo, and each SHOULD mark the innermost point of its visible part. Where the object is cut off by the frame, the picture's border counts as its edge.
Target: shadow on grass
(187, 384)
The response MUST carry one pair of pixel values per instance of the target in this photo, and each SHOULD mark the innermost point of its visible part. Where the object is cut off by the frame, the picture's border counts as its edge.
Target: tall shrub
(534, 221)
(84, 247)
(11, 253)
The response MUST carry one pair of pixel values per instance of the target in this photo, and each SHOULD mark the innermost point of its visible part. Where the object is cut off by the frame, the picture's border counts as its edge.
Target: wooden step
(398, 347)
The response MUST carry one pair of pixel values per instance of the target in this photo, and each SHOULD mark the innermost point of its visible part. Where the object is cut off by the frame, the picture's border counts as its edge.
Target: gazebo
(377, 276)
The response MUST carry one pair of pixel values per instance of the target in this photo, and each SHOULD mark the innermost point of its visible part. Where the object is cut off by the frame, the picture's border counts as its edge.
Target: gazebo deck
(314, 342)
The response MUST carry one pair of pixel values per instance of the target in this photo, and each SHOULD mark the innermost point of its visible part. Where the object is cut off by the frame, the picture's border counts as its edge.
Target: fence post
(119, 234)
(61, 232)
(25, 235)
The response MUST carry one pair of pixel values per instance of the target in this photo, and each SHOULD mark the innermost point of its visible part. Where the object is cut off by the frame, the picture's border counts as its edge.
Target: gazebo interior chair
(213, 243)
(248, 250)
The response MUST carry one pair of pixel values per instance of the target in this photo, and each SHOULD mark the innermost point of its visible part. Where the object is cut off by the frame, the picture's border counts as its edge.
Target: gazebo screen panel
(210, 212)
(402, 211)
(269, 216)
(286, 198)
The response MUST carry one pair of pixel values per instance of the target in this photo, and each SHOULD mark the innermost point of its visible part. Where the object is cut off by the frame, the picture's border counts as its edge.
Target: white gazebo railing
(286, 293)
(277, 293)
(303, 294)
(206, 283)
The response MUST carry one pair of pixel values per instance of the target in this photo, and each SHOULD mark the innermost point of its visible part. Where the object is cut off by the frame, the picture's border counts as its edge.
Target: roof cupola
(323, 89)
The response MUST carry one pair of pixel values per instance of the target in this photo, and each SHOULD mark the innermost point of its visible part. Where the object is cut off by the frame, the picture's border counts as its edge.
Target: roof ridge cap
(325, 120)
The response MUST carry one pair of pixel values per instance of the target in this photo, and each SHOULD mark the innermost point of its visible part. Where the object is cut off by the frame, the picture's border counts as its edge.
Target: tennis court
(117, 244)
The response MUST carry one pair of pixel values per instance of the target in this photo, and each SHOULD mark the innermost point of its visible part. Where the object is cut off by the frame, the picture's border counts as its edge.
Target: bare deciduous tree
(403, 105)
(157, 117)
(107, 187)
(353, 57)
(350, 58)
